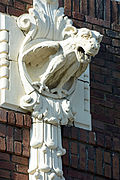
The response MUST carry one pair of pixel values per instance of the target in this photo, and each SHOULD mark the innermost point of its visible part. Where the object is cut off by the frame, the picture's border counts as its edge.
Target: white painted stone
(14, 35)
(81, 105)
(12, 91)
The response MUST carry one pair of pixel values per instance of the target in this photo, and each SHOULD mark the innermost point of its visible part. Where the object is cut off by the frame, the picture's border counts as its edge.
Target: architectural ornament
(53, 54)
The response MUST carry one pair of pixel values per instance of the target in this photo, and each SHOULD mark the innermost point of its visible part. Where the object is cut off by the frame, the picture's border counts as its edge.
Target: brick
(18, 134)
(107, 157)
(17, 147)
(7, 165)
(2, 8)
(19, 176)
(116, 27)
(28, 1)
(116, 74)
(112, 34)
(20, 160)
(74, 148)
(80, 24)
(107, 10)
(91, 166)
(19, 5)
(114, 12)
(82, 152)
(76, 6)
(102, 87)
(99, 29)
(99, 168)
(100, 139)
(27, 120)
(4, 156)
(66, 143)
(75, 133)
(61, 3)
(6, 2)
(19, 119)
(108, 171)
(99, 9)
(107, 40)
(116, 144)
(67, 6)
(84, 7)
(13, 11)
(83, 135)
(4, 174)
(98, 60)
(22, 168)
(9, 139)
(2, 130)
(26, 142)
(97, 125)
(115, 166)
(91, 152)
(66, 131)
(92, 138)
(92, 8)
(97, 94)
(11, 117)
(116, 42)
(10, 145)
(2, 144)
(102, 117)
(96, 21)
(78, 16)
(3, 116)
(74, 161)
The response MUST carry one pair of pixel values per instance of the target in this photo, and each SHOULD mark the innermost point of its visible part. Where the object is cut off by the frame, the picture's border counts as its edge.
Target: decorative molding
(4, 63)
(51, 58)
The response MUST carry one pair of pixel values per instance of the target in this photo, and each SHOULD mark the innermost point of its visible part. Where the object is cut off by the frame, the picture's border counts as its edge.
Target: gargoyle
(52, 56)
(57, 64)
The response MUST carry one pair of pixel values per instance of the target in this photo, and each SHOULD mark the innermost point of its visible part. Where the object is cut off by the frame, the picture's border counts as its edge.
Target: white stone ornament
(50, 62)
(53, 55)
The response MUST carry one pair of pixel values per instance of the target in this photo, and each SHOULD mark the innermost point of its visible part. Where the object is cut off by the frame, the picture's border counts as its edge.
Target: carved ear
(100, 37)
(69, 31)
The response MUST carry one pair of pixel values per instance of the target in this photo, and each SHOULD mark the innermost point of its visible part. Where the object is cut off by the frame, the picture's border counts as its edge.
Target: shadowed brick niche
(91, 155)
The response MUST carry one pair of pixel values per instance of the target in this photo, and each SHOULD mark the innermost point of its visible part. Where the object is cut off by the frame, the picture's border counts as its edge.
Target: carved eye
(86, 36)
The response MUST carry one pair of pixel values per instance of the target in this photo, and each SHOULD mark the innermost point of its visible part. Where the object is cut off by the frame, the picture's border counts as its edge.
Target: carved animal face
(87, 44)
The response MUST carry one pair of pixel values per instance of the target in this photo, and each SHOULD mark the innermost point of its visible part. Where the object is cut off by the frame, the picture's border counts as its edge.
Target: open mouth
(82, 56)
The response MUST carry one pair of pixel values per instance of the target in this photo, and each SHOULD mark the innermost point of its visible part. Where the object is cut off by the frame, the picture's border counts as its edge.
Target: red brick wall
(15, 7)
(96, 155)
(90, 155)
(14, 145)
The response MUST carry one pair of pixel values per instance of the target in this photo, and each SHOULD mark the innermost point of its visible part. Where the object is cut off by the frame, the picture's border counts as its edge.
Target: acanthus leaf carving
(53, 55)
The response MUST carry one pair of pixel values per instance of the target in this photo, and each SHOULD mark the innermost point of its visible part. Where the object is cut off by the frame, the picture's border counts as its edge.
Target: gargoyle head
(87, 42)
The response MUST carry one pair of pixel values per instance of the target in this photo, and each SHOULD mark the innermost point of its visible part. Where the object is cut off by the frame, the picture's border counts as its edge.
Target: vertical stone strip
(4, 63)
